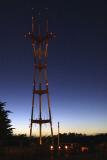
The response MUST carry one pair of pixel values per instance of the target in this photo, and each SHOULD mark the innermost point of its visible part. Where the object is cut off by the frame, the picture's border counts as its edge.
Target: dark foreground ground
(65, 157)
(46, 154)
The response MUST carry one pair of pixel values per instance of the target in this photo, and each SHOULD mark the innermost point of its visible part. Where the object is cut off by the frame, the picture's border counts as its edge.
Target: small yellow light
(66, 147)
(51, 147)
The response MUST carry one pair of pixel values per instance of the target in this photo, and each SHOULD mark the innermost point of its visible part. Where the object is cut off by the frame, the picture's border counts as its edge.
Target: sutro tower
(40, 81)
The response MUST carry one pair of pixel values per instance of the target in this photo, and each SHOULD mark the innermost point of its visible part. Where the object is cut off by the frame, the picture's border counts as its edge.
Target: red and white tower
(40, 81)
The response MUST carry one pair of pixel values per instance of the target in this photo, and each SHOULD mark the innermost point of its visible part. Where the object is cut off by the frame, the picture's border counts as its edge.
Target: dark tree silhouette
(5, 123)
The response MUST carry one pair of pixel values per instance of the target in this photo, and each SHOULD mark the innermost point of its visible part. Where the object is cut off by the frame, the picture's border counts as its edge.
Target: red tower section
(40, 80)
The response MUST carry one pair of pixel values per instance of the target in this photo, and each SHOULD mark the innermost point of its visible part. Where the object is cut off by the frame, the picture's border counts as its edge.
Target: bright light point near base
(51, 148)
(66, 147)
(59, 147)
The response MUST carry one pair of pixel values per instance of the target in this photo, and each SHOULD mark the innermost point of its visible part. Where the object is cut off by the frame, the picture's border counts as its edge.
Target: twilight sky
(77, 63)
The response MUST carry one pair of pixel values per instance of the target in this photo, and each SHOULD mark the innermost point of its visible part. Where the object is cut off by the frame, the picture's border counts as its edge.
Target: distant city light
(66, 147)
(84, 149)
(59, 147)
(51, 148)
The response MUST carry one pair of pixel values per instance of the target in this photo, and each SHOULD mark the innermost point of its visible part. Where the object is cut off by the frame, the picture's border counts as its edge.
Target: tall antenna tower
(40, 81)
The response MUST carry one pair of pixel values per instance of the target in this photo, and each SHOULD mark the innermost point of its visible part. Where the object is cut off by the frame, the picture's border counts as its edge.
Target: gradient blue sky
(77, 64)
